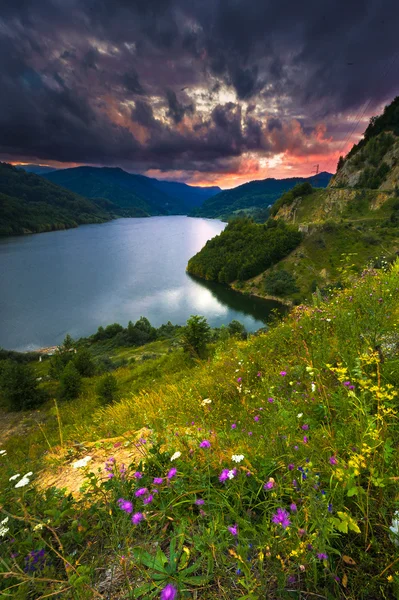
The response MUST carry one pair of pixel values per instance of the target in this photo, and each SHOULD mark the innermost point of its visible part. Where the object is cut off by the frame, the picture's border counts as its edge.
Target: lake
(73, 281)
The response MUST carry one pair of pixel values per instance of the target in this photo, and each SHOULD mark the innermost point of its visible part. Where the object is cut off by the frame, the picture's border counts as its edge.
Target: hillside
(353, 222)
(254, 195)
(31, 204)
(37, 169)
(144, 194)
(267, 469)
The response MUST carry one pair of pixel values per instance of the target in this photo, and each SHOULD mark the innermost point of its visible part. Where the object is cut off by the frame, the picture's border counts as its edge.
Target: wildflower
(282, 517)
(125, 505)
(3, 529)
(271, 400)
(305, 427)
(293, 507)
(249, 432)
(301, 532)
(14, 477)
(305, 439)
(322, 556)
(199, 502)
(82, 462)
(270, 484)
(256, 418)
(157, 480)
(313, 387)
(233, 426)
(140, 492)
(332, 460)
(239, 379)
(291, 467)
(233, 529)
(206, 401)
(330, 507)
(149, 499)
(237, 458)
(169, 592)
(35, 561)
(171, 473)
(232, 473)
(299, 415)
(137, 517)
(205, 444)
(175, 456)
(224, 475)
(259, 374)
(283, 373)
(24, 481)
(3, 452)
(38, 527)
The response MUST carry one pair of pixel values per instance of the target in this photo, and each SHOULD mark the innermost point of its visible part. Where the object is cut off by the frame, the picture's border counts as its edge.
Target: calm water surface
(76, 280)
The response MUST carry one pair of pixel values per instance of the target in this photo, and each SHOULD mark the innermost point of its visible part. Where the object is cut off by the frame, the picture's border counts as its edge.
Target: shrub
(196, 335)
(70, 382)
(280, 283)
(18, 386)
(84, 363)
(107, 388)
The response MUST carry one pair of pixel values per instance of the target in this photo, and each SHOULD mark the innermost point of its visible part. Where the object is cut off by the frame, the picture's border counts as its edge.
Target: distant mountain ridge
(31, 204)
(130, 191)
(37, 169)
(254, 194)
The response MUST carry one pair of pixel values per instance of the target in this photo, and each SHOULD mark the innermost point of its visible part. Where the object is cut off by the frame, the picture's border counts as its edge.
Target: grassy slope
(319, 348)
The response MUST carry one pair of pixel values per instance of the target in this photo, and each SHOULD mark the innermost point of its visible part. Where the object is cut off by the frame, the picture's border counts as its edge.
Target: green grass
(312, 407)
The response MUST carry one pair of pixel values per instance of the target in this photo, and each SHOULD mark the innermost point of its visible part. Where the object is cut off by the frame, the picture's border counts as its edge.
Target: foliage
(301, 189)
(107, 388)
(196, 335)
(280, 283)
(281, 481)
(70, 382)
(255, 194)
(387, 122)
(18, 386)
(84, 363)
(30, 203)
(243, 250)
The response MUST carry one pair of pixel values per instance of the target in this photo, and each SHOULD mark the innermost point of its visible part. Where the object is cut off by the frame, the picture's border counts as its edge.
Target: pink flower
(169, 592)
(149, 499)
(256, 418)
(157, 480)
(333, 460)
(138, 475)
(205, 444)
(271, 400)
(140, 492)
(233, 426)
(233, 529)
(305, 439)
(224, 475)
(137, 517)
(125, 505)
(171, 473)
(269, 485)
(283, 373)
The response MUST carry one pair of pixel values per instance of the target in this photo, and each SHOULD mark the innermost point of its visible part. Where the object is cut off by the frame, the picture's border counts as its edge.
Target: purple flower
(330, 507)
(293, 507)
(140, 492)
(199, 502)
(233, 529)
(347, 383)
(205, 444)
(149, 499)
(256, 418)
(233, 426)
(171, 473)
(269, 485)
(332, 460)
(137, 517)
(259, 374)
(271, 400)
(305, 439)
(282, 517)
(138, 475)
(301, 532)
(305, 427)
(283, 373)
(249, 432)
(224, 475)
(322, 556)
(291, 467)
(157, 480)
(169, 592)
(239, 379)
(125, 505)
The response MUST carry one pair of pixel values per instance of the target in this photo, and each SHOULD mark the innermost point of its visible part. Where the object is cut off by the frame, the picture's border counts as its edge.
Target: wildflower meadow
(268, 470)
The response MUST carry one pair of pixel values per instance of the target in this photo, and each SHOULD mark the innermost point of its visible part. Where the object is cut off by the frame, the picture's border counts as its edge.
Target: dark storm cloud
(141, 82)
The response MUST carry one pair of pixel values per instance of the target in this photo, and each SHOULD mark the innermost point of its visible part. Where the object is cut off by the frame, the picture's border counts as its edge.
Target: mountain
(346, 226)
(254, 194)
(37, 169)
(128, 190)
(31, 204)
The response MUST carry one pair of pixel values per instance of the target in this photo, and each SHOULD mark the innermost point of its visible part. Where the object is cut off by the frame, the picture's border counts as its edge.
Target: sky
(209, 92)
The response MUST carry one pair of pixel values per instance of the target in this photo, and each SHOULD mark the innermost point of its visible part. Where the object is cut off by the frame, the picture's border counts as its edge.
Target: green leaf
(152, 562)
(144, 589)
(353, 491)
(196, 579)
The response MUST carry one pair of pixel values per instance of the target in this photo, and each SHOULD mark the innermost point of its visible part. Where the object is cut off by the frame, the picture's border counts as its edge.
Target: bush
(70, 382)
(280, 283)
(107, 388)
(196, 335)
(84, 363)
(18, 386)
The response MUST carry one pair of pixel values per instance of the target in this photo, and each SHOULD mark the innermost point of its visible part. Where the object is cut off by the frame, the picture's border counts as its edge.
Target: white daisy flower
(176, 455)
(237, 458)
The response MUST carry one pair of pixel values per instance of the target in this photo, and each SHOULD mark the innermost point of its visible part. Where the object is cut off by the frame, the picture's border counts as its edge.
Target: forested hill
(127, 190)
(254, 194)
(31, 204)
